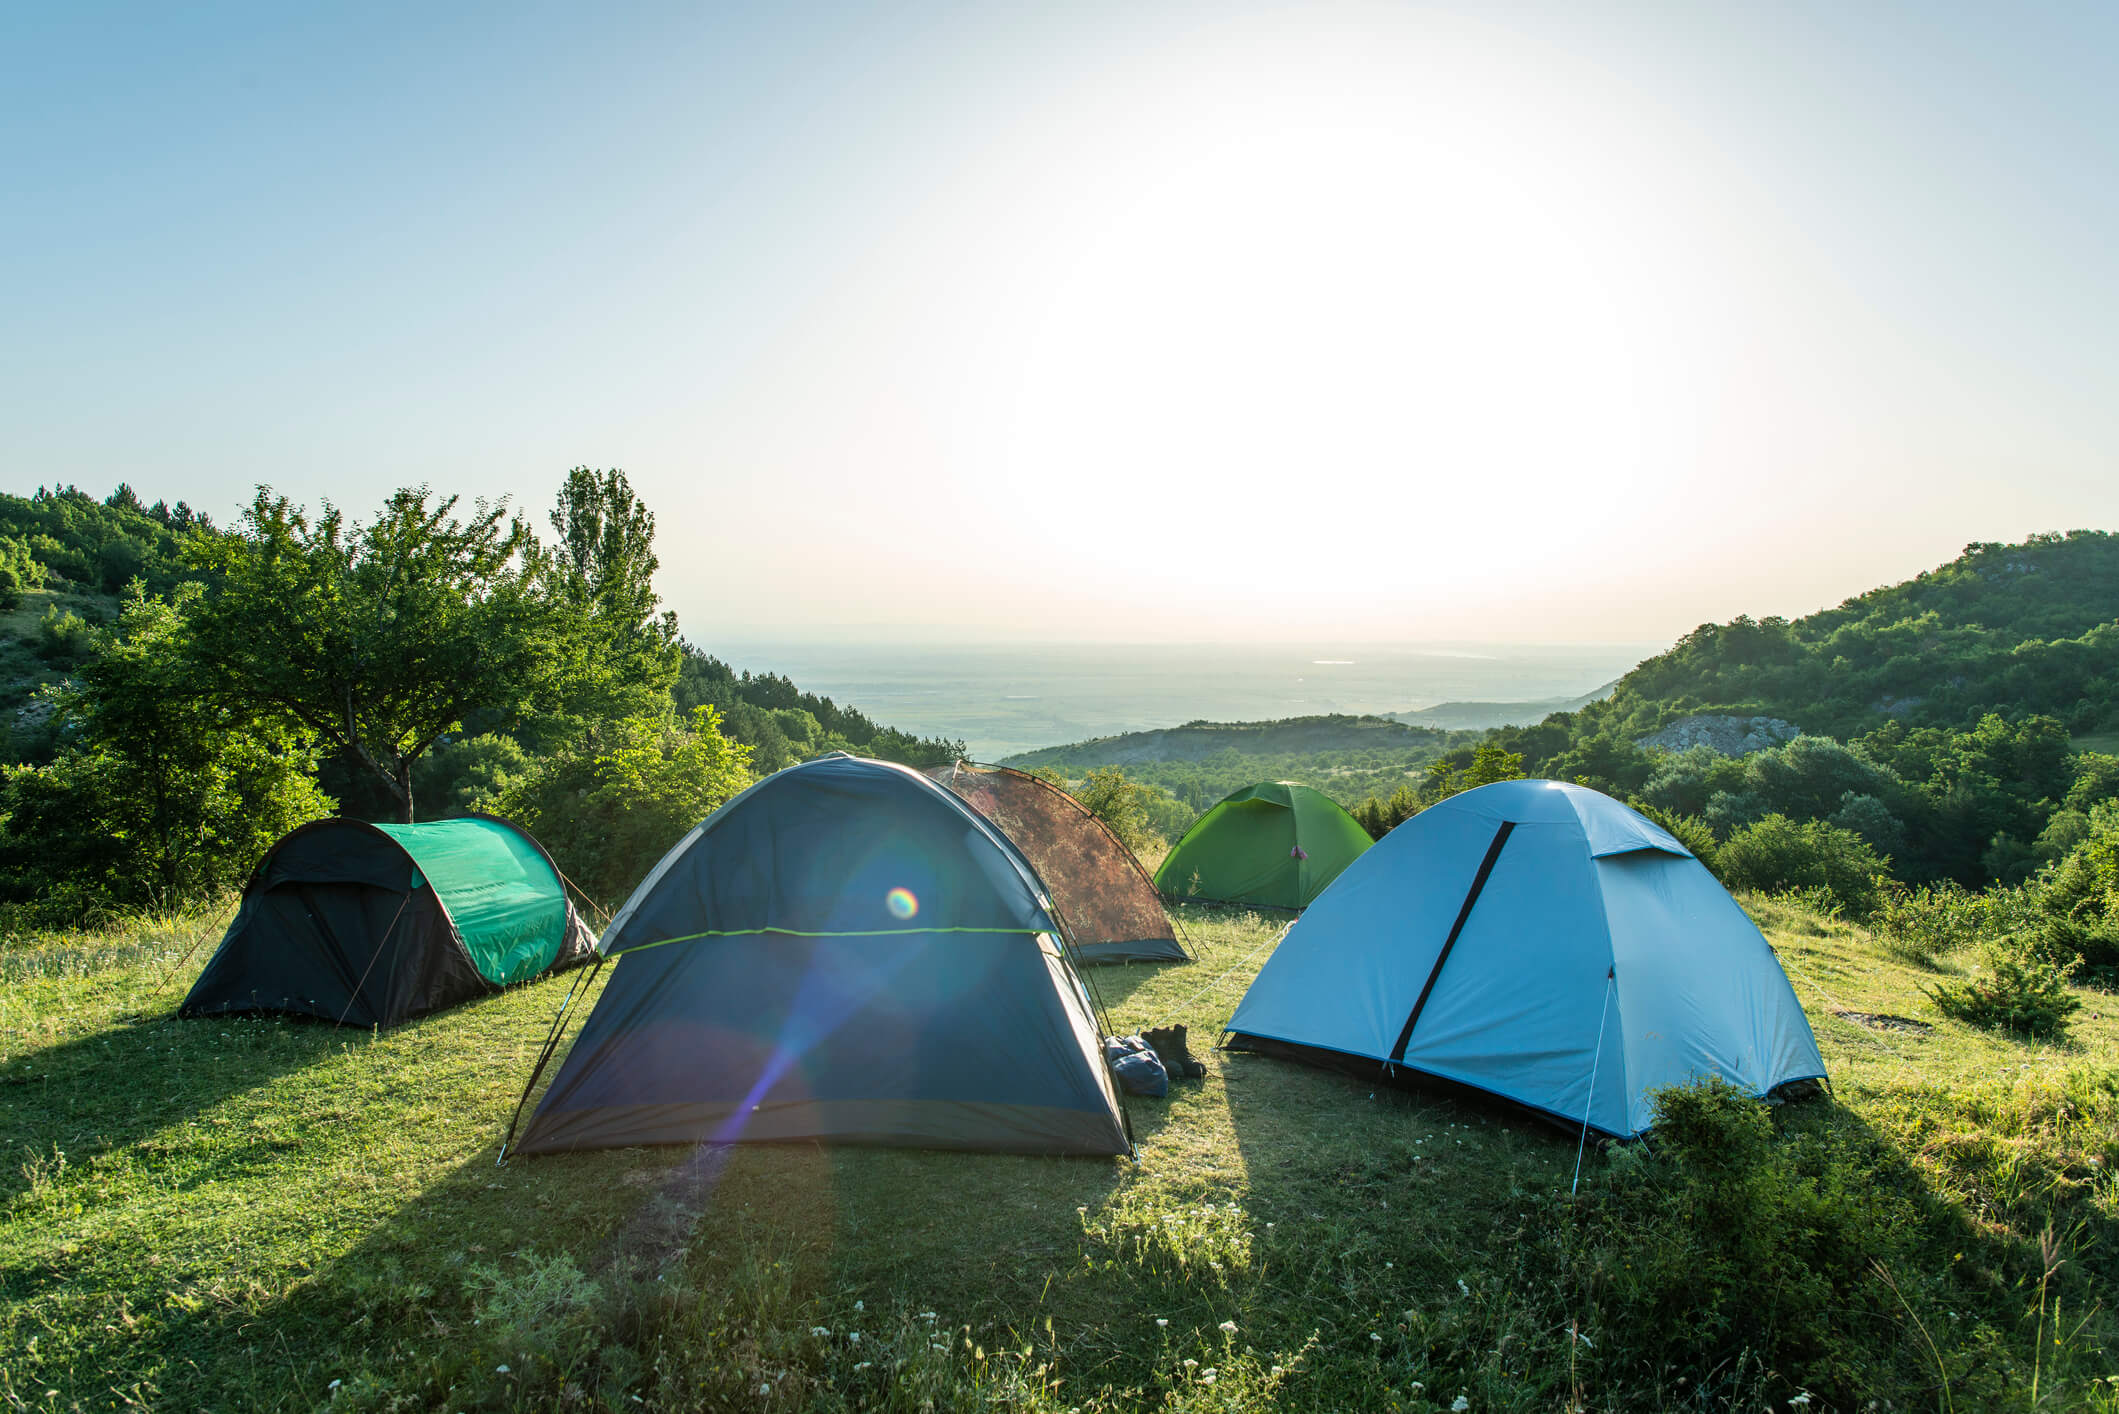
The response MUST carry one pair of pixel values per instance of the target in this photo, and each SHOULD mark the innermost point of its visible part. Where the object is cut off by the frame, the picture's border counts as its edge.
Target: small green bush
(64, 638)
(1776, 854)
(1921, 924)
(2020, 992)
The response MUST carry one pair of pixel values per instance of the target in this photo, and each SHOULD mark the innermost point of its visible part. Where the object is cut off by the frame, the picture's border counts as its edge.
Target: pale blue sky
(1535, 322)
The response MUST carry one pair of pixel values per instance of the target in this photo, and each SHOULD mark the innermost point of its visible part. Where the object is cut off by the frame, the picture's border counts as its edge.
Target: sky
(1582, 322)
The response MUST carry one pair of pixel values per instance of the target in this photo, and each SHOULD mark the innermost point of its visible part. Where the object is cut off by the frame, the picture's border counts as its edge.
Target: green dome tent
(1275, 844)
(371, 925)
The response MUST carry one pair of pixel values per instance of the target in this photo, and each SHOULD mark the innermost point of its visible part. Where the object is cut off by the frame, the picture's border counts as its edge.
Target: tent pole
(1611, 976)
(544, 1055)
(375, 957)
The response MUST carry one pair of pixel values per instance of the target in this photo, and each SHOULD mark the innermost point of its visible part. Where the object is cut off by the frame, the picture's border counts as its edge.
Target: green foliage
(611, 804)
(379, 637)
(1446, 776)
(2020, 992)
(1122, 805)
(622, 656)
(19, 571)
(159, 792)
(1776, 854)
(1728, 1244)
(1920, 925)
(468, 774)
(64, 638)
(102, 546)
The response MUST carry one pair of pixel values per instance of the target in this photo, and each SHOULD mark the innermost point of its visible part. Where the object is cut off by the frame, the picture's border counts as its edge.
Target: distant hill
(1197, 741)
(1481, 716)
(1348, 758)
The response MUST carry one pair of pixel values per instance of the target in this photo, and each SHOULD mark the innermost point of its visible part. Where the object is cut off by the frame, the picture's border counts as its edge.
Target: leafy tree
(602, 570)
(160, 791)
(378, 637)
(614, 801)
(1121, 804)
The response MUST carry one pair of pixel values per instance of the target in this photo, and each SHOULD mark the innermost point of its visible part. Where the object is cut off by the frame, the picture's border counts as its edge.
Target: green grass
(236, 1213)
(2106, 742)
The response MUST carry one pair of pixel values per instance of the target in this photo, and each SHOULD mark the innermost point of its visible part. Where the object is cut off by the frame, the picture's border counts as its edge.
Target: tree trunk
(404, 790)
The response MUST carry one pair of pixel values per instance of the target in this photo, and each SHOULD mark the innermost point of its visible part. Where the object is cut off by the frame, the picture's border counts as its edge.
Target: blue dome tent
(1540, 941)
(845, 951)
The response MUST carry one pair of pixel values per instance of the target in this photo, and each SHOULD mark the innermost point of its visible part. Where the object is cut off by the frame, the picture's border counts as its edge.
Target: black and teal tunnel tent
(371, 925)
(1275, 844)
(848, 952)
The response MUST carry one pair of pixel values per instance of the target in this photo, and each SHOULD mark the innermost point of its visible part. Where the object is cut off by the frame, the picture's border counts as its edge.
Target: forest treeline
(178, 694)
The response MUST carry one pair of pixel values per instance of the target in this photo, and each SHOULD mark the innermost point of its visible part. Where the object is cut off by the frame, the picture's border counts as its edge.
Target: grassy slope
(235, 1213)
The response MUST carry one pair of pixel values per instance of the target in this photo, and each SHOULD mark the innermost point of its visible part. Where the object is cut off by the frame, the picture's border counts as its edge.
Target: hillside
(1482, 716)
(295, 1217)
(1200, 762)
(2017, 629)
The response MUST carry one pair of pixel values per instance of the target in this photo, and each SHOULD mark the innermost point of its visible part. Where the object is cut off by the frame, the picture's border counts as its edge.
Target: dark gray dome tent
(1101, 894)
(371, 925)
(845, 951)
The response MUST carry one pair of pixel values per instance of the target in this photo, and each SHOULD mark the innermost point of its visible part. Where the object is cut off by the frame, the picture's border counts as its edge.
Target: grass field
(272, 1214)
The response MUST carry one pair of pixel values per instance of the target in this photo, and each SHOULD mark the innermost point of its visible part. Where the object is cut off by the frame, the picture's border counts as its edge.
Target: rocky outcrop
(1729, 736)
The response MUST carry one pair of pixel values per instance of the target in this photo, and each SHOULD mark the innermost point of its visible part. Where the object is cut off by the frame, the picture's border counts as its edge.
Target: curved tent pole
(544, 1054)
(376, 956)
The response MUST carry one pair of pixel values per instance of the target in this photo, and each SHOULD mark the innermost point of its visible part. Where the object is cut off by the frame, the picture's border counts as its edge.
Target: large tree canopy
(601, 574)
(378, 636)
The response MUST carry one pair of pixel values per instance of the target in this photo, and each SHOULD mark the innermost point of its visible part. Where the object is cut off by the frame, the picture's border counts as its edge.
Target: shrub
(1919, 925)
(64, 638)
(1775, 854)
(2020, 992)
(612, 803)
(1122, 805)
(1727, 1244)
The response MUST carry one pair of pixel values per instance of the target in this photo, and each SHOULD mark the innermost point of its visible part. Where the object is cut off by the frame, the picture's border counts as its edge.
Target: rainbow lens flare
(901, 903)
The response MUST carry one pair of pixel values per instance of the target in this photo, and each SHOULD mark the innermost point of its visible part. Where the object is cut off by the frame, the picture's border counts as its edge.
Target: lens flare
(901, 903)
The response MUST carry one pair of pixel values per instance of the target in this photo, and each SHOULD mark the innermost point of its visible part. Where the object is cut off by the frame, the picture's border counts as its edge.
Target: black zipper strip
(1486, 867)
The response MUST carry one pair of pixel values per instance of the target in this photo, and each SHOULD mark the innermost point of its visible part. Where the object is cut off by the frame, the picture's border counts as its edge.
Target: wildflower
(1206, 1377)
(1375, 1337)
(500, 1369)
(853, 1337)
(1417, 1387)
(1228, 1327)
(1459, 1405)
(1191, 1364)
(862, 1366)
(764, 1390)
(820, 1331)
(332, 1386)
(1276, 1372)
(1162, 1322)
(860, 1305)
(926, 1315)
(1462, 1287)
(1801, 1400)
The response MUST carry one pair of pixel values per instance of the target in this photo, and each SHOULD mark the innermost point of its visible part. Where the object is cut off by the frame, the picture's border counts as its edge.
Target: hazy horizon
(1535, 323)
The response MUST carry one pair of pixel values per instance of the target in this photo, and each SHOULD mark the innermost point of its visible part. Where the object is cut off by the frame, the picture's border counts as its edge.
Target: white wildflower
(333, 1385)
(764, 1390)
(1462, 1287)
(926, 1315)
(1801, 1400)
(500, 1369)
(1191, 1364)
(1228, 1327)
(1459, 1405)
(1206, 1377)
(860, 1305)
(853, 1337)
(1375, 1337)
(862, 1366)
(820, 1332)
(1162, 1322)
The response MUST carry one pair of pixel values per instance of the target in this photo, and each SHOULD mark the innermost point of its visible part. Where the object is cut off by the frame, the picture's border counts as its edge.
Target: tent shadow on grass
(110, 1091)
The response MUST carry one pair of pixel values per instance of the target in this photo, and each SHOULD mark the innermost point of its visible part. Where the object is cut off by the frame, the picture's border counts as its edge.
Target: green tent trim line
(1271, 845)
